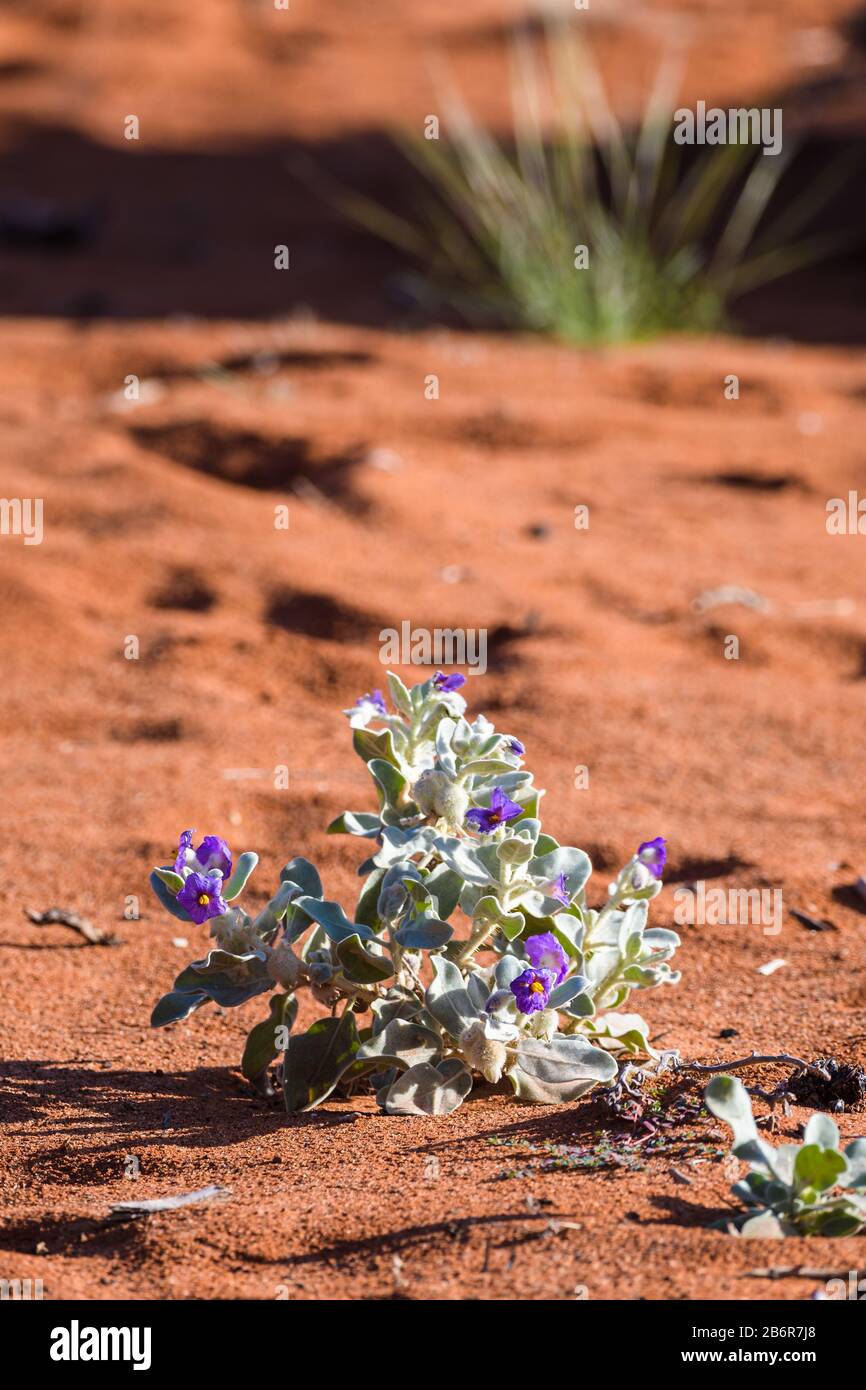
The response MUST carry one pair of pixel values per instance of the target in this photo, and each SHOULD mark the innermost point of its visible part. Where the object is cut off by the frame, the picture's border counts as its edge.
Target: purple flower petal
(654, 855)
(532, 990)
(515, 746)
(501, 810)
(200, 895)
(184, 844)
(547, 955)
(448, 683)
(559, 889)
(374, 698)
(214, 854)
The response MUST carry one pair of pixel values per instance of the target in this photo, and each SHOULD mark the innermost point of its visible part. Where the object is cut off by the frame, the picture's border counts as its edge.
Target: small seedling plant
(808, 1189)
(532, 986)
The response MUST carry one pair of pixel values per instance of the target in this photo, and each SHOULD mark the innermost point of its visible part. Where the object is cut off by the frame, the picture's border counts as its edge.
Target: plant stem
(756, 1059)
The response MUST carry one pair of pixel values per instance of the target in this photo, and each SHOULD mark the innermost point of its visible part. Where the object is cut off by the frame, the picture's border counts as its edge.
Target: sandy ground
(159, 524)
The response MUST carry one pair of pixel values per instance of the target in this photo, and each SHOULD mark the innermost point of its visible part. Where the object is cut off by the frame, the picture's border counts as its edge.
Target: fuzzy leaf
(402, 1043)
(560, 1070)
(243, 868)
(429, 1090)
(447, 998)
(333, 919)
(304, 874)
(228, 980)
(315, 1061)
(360, 966)
(167, 898)
(261, 1045)
(177, 1004)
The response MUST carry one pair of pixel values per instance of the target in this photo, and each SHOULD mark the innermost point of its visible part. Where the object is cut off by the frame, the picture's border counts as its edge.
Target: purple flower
(200, 895)
(515, 746)
(559, 889)
(501, 810)
(448, 683)
(547, 955)
(374, 698)
(184, 844)
(213, 854)
(532, 990)
(654, 855)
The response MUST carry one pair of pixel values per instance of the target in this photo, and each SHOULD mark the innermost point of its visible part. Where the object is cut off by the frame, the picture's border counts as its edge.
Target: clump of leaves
(531, 993)
(796, 1189)
(578, 227)
(845, 1088)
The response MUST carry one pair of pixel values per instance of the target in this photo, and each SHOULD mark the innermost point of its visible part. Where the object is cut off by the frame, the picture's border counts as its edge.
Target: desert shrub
(533, 992)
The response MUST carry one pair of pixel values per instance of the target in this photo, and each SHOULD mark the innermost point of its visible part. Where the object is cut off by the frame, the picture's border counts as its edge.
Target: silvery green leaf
(228, 980)
(424, 934)
(445, 886)
(623, 1033)
(402, 1043)
(484, 767)
(269, 918)
(261, 1045)
(855, 1154)
(642, 976)
(727, 1098)
(477, 990)
(489, 909)
(177, 1004)
(569, 930)
(243, 868)
(568, 990)
(574, 863)
(631, 930)
(836, 1223)
(400, 844)
(447, 997)
(366, 911)
(400, 695)
(304, 874)
(560, 1070)
(506, 971)
(817, 1169)
(361, 823)
(333, 919)
(515, 850)
(315, 1061)
(429, 1090)
(545, 844)
(821, 1130)
(390, 781)
(368, 744)
(661, 939)
(168, 898)
(172, 880)
(582, 1006)
(765, 1226)
(600, 962)
(462, 858)
(360, 966)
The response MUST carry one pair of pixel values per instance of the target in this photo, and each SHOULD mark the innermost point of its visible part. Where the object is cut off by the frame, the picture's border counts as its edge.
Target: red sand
(159, 523)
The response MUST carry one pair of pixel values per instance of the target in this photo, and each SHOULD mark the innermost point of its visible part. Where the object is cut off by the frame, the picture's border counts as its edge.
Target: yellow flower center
(537, 987)
(203, 899)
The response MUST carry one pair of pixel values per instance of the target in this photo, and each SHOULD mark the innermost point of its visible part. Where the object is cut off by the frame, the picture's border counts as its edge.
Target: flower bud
(284, 966)
(437, 795)
(482, 1053)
